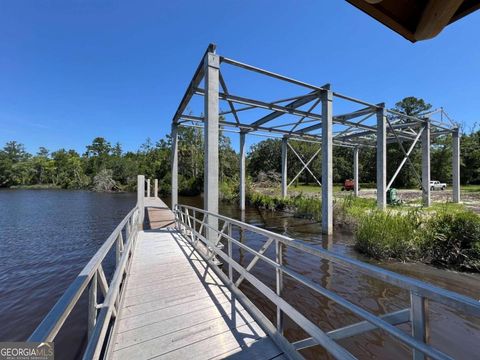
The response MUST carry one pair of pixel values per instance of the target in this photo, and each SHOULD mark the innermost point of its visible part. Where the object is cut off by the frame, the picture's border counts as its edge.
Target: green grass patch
(447, 236)
(389, 234)
(470, 188)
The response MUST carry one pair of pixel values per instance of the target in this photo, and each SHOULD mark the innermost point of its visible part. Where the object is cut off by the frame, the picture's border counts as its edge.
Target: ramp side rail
(196, 223)
(93, 277)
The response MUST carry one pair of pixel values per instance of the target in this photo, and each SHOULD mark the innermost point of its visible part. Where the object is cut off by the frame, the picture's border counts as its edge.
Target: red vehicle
(348, 185)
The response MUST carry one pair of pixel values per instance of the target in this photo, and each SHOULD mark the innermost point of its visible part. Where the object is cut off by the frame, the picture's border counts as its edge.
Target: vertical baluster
(128, 229)
(187, 222)
(182, 227)
(230, 254)
(92, 304)
(194, 227)
(418, 319)
(118, 248)
(279, 283)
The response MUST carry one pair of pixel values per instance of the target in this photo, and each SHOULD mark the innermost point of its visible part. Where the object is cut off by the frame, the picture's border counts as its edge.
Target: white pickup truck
(437, 185)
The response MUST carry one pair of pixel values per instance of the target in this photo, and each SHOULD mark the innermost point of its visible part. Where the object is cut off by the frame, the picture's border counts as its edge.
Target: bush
(453, 240)
(386, 234)
(229, 191)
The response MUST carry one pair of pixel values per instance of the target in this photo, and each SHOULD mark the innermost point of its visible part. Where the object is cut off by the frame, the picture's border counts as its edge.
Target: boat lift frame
(315, 122)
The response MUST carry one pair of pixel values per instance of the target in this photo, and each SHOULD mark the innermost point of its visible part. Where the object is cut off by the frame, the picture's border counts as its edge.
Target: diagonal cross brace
(404, 151)
(305, 165)
(293, 105)
(254, 260)
(230, 104)
(404, 160)
(394, 318)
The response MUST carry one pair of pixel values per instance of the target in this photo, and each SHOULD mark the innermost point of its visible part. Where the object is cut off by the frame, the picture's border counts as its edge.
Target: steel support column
(211, 133)
(381, 159)
(284, 167)
(141, 199)
(456, 165)
(426, 199)
(174, 136)
(355, 171)
(327, 168)
(242, 171)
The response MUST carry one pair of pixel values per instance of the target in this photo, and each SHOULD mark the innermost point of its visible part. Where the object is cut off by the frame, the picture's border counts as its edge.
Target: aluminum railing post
(92, 304)
(230, 254)
(279, 283)
(419, 323)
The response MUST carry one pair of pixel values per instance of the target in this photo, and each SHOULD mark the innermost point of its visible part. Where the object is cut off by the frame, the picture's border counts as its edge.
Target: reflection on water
(46, 237)
(450, 331)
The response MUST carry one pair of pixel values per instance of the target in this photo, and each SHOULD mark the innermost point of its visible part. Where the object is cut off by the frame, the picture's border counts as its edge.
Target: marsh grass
(389, 234)
(453, 240)
(445, 234)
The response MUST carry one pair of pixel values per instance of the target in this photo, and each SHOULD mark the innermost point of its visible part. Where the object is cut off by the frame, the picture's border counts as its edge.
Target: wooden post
(148, 188)
(155, 193)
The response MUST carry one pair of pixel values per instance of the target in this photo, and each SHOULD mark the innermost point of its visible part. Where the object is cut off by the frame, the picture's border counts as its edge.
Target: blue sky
(74, 70)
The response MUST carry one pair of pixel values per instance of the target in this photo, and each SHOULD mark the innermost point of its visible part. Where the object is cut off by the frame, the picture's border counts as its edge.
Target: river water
(47, 236)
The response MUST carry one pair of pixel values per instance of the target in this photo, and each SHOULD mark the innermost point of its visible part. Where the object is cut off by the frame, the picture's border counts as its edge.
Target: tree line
(106, 167)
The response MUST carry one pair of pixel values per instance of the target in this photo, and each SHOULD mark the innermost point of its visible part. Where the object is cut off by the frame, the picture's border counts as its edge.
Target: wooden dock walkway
(175, 307)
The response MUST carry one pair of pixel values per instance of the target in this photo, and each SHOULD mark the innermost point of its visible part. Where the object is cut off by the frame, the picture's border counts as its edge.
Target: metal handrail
(420, 291)
(93, 277)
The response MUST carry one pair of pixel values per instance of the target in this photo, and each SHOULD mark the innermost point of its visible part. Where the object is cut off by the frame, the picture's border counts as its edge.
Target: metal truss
(306, 112)
(352, 129)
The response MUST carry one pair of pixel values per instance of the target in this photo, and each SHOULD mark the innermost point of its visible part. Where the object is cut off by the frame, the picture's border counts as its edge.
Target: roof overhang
(417, 20)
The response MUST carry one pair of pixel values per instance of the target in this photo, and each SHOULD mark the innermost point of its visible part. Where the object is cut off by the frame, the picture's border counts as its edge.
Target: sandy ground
(469, 198)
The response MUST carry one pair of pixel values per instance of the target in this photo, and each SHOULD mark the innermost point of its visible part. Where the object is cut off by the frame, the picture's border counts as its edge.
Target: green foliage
(268, 202)
(104, 167)
(453, 240)
(447, 236)
(412, 106)
(470, 158)
(229, 191)
(388, 234)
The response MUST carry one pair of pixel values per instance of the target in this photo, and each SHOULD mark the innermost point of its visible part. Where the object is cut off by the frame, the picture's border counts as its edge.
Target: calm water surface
(46, 237)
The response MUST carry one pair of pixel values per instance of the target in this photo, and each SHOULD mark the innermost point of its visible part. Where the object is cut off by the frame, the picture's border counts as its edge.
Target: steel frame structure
(369, 125)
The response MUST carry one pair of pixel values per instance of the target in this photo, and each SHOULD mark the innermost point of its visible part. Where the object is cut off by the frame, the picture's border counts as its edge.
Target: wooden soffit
(417, 20)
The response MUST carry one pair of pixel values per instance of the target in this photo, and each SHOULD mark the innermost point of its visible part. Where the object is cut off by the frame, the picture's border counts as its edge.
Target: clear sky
(74, 70)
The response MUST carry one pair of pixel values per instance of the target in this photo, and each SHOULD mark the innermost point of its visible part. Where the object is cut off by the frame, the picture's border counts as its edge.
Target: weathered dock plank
(175, 307)
(157, 214)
